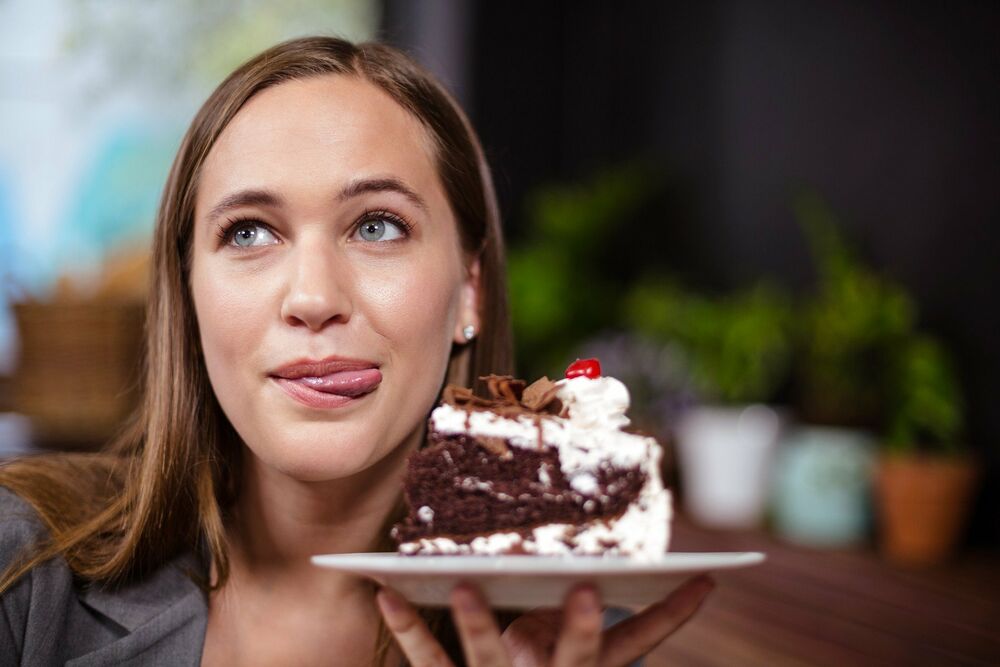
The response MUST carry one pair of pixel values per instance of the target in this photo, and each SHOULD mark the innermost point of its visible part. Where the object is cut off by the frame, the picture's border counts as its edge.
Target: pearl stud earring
(469, 332)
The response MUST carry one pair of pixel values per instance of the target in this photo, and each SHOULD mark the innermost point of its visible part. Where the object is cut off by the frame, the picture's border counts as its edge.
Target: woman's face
(323, 237)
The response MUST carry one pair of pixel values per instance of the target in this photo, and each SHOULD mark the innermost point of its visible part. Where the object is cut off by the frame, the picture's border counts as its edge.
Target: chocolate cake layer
(468, 484)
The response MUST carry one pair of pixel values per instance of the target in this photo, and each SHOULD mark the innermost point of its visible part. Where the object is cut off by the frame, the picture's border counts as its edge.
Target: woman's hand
(569, 636)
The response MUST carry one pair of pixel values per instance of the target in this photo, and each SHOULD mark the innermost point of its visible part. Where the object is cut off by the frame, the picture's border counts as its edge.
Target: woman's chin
(319, 459)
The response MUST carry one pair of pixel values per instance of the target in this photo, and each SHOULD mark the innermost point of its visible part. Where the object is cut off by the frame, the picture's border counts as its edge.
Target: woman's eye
(250, 235)
(379, 229)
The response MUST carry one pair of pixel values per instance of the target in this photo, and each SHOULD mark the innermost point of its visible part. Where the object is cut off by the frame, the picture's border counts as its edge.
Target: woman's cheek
(415, 306)
(230, 317)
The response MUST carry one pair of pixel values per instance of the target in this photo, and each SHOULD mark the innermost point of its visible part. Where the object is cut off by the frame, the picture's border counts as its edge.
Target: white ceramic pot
(724, 457)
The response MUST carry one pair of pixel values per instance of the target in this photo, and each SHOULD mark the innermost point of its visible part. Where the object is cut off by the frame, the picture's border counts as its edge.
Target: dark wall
(890, 110)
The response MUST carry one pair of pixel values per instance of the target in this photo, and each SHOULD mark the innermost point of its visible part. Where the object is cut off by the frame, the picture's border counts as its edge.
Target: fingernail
(466, 600)
(586, 600)
(389, 601)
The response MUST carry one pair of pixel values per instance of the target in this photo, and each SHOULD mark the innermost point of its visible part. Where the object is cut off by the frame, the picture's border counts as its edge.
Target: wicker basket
(78, 371)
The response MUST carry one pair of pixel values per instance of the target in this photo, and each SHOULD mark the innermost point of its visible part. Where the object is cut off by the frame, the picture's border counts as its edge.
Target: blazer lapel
(162, 619)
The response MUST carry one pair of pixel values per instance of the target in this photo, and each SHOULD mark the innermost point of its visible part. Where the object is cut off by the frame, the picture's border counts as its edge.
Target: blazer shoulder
(45, 592)
(20, 526)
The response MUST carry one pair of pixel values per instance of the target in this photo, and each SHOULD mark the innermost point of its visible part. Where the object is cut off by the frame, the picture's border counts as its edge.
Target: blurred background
(777, 222)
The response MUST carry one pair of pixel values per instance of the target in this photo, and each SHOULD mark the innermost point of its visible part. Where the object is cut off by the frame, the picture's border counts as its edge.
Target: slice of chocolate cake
(543, 469)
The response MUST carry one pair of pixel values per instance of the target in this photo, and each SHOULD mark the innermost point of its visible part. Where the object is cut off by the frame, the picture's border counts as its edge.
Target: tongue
(345, 383)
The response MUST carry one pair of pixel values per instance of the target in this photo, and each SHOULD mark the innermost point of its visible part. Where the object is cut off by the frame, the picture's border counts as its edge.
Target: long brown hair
(163, 485)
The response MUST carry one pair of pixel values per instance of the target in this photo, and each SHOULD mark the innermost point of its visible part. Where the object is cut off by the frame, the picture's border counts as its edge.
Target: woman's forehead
(320, 133)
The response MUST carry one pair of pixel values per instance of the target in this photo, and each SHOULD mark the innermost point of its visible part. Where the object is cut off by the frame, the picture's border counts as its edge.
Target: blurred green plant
(846, 328)
(925, 399)
(851, 345)
(566, 289)
(737, 347)
(861, 360)
(563, 288)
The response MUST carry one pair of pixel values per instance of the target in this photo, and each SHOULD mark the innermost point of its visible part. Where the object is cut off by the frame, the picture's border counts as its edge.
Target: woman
(327, 255)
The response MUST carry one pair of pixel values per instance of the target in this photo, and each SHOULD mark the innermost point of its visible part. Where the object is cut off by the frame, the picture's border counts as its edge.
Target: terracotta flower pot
(923, 502)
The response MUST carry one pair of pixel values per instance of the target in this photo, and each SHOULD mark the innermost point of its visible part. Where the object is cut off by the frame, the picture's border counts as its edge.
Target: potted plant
(846, 327)
(737, 349)
(925, 476)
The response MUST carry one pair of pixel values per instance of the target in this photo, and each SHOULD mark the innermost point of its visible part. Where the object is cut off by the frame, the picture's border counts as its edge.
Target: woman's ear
(467, 324)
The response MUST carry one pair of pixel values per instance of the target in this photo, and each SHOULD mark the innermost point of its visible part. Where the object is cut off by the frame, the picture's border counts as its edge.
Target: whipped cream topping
(595, 403)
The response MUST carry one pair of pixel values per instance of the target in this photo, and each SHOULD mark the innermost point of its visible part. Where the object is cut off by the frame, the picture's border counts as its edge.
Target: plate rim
(393, 563)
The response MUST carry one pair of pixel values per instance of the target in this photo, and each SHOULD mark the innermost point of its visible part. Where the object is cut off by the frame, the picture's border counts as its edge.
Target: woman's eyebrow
(245, 198)
(386, 184)
(266, 198)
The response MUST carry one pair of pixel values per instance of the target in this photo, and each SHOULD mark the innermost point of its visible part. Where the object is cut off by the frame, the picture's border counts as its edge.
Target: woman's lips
(333, 390)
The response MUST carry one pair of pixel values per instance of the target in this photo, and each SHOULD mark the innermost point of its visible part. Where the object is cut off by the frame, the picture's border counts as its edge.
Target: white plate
(522, 582)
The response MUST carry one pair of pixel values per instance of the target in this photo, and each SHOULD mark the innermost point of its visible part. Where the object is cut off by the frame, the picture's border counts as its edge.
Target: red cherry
(590, 368)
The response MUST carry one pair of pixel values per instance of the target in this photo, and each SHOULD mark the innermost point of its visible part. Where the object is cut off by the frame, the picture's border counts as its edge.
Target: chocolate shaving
(509, 397)
(496, 446)
(455, 395)
(504, 387)
(540, 396)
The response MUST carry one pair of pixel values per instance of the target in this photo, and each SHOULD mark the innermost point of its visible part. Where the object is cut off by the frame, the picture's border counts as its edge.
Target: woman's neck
(278, 608)
(279, 522)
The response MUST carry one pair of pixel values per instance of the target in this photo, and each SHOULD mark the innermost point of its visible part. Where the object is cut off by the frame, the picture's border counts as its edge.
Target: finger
(536, 626)
(579, 640)
(640, 634)
(531, 638)
(477, 628)
(411, 633)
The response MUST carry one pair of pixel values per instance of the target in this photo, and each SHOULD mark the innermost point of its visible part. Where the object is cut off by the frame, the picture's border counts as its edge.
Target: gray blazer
(48, 619)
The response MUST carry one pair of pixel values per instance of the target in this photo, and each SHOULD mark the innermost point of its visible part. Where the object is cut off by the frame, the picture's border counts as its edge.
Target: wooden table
(847, 607)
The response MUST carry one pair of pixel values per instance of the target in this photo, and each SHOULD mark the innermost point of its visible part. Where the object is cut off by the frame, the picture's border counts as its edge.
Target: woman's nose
(318, 289)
